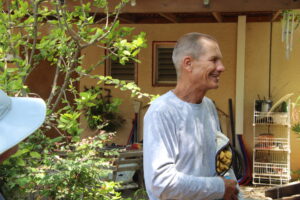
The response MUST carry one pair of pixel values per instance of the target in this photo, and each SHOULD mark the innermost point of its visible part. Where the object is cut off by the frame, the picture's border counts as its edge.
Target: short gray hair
(188, 45)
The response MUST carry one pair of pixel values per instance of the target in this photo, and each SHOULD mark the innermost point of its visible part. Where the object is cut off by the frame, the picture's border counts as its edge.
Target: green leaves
(124, 86)
(296, 128)
(68, 171)
(20, 162)
(67, 167)
(20, 152)
(100, 111)
(69, 122)
(87, 99)
(128, 50)
(100, 3)
(35, 155)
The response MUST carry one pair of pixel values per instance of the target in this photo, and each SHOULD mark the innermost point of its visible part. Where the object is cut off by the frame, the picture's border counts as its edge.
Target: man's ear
(187, 63)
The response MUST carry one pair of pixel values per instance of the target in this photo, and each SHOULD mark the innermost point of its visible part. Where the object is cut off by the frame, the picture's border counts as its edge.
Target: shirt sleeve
(161, 177)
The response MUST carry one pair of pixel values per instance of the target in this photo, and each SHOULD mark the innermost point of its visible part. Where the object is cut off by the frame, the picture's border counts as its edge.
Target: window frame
(155, 81)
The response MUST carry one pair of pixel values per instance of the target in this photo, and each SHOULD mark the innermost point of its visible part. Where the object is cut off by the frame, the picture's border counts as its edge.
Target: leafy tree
(32, 31)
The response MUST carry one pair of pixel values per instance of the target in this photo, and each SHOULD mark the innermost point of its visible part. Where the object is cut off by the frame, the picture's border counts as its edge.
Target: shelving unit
(271, 147)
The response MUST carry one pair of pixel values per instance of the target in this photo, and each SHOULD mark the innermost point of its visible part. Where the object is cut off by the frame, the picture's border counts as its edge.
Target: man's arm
(161, 176)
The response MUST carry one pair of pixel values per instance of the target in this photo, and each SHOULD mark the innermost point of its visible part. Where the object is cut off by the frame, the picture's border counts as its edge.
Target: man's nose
(220, 67)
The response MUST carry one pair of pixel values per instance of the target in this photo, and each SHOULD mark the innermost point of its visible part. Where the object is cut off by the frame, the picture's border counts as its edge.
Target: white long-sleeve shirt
(179, 150)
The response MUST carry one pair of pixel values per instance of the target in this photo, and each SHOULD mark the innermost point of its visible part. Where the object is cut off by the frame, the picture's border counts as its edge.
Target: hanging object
(290, 21)
(133, 2)
(206, 3)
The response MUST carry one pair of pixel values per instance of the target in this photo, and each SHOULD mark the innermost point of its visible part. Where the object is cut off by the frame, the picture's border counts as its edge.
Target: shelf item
(271, 143)
(271, 169)
(271, 118)
(271, 147)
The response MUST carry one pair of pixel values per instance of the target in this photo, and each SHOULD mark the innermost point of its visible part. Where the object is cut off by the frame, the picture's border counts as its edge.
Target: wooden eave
(197, 11)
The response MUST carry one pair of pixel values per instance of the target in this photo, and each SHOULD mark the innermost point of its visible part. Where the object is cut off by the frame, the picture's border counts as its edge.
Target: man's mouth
(217, 76)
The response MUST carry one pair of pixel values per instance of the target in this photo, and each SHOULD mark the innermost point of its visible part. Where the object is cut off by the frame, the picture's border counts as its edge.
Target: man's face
(207, 68)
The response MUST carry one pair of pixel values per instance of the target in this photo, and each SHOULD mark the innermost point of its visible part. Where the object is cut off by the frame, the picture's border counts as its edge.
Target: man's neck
(189, 94)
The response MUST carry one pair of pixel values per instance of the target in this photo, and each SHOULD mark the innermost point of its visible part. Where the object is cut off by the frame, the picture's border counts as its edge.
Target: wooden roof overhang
(200, 11)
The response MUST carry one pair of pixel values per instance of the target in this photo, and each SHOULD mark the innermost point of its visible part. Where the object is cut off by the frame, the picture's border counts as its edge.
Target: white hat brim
(25, 116)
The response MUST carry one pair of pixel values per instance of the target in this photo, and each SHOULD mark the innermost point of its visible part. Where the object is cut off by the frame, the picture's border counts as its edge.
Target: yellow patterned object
(223, 160)
(223, 154)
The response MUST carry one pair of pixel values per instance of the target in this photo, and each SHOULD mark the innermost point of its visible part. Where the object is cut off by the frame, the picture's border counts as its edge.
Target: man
(180, 128)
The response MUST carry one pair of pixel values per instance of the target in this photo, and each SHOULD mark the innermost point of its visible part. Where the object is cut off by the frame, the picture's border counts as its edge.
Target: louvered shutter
(125, 72)
(122, 72)
(164, 72)
(165, 68)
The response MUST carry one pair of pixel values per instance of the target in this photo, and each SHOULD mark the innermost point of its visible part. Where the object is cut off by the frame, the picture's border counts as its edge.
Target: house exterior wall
(285, 79)
(284, 73)
(256, 74)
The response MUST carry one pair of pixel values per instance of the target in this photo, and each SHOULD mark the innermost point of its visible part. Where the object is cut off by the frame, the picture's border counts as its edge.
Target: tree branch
(71, 32)
(55, 127)
(54, 85)
(110, 28)
(67, 78)
(34, 31)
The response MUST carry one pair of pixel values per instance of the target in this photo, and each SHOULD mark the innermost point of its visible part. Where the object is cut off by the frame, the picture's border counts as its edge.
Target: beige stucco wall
(256, 73)
(284, 73)
(285, 79)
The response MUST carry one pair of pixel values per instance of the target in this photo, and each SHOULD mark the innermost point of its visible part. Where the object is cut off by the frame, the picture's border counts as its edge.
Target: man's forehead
(208, 43)
(211, 47)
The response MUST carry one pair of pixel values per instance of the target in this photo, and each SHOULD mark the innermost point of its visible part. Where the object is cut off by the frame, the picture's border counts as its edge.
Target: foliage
(296, 116)
(295, 175)
(66, 167)
(140, 194)
(102, 112)
(281, 105)
(296, 128)
(60, 170)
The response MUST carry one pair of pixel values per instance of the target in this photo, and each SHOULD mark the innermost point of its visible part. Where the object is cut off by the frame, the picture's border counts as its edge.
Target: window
(127, 72)
(164, 72)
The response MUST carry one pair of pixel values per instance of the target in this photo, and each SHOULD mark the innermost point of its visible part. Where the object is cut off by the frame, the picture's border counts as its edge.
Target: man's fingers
(236, 191)
(235, 195)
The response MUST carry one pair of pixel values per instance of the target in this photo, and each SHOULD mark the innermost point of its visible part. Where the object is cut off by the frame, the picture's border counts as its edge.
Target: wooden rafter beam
(169, 16)
(196, 6)
(217, 16)
(275, 15)
(126, 20)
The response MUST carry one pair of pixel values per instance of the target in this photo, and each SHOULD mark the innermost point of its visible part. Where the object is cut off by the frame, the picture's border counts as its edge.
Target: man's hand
(231, 191)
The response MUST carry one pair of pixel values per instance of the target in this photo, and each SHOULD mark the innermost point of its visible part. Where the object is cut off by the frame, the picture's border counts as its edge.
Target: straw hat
(19, 118)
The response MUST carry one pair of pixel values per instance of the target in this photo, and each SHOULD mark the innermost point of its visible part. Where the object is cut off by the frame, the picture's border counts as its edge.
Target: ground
(249, 193)
(254, 192)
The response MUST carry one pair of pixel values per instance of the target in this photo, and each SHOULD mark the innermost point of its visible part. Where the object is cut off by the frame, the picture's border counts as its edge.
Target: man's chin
(215, 85)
